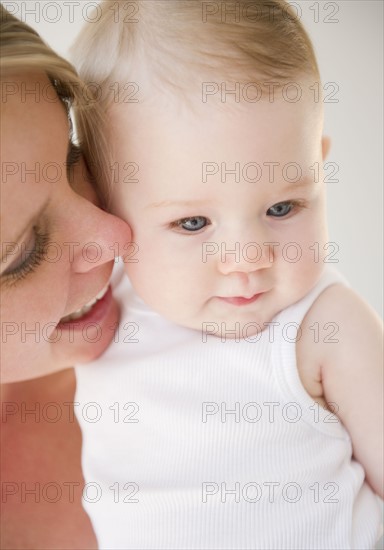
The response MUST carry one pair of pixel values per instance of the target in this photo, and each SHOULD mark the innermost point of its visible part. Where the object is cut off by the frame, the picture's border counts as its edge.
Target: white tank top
(196, 443)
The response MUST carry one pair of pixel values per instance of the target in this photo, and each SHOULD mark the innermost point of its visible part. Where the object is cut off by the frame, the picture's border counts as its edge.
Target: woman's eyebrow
(32, 221)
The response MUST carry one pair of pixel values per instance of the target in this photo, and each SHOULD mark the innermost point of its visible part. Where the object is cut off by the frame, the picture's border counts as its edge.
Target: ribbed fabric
(275, 473)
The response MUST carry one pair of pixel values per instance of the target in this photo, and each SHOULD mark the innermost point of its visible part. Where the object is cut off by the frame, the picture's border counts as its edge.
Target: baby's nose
(244, 257)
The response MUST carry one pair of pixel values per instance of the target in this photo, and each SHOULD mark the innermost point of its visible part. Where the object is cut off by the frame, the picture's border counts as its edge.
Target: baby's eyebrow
(300, 184)
(166, 203)
(305, 182)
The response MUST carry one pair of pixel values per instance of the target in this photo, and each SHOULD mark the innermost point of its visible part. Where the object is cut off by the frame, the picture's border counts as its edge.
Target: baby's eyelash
(33, 260)
(294, 205)
(300, 203)
(194, 228)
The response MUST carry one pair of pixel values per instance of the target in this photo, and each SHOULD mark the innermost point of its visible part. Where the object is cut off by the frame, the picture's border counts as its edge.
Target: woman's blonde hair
(22, 50)
(175, 44)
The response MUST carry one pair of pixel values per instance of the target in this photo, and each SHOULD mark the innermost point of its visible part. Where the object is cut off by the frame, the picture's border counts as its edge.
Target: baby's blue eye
(280, 209)
(192, 224)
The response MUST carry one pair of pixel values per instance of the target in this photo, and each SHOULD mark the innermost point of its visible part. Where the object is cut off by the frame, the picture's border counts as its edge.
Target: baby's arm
(352, 374)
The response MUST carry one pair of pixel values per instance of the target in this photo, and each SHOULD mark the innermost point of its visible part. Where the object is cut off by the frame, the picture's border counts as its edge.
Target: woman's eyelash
(74, 154)
(33, 260)
(73, 157)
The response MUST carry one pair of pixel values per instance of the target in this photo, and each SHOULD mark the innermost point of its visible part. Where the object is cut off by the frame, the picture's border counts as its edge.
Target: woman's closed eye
(73, 155)
(30, 255)
(190, 225)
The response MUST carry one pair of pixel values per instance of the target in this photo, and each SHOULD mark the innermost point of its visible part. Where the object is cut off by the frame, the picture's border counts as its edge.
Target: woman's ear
(325, 146)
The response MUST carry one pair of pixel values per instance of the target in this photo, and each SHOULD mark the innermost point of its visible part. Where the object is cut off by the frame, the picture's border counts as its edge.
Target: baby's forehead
(163, 122)
(227, 153)
(225, 159)
(142, 85)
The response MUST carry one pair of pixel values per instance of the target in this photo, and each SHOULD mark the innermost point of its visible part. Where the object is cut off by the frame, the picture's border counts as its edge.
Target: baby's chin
(241, 320)
(235, 329)
(229, 326)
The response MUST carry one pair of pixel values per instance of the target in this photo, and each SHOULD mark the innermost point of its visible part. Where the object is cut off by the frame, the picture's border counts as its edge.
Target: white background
(348, 39)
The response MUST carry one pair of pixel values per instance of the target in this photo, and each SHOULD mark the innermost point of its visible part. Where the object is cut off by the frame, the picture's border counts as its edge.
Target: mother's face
(57, 248)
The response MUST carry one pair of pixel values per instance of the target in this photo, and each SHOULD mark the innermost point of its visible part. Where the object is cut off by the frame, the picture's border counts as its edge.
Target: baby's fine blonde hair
(22, 51)
(175, 44)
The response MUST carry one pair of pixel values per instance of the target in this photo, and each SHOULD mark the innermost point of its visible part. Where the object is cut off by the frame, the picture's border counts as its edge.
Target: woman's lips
(240, 301)
(95, 315)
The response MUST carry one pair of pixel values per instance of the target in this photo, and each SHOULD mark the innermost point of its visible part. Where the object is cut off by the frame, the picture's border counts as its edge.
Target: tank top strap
(284, 362)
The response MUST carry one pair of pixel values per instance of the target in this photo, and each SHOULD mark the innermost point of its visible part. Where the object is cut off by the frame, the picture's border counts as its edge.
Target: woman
(56, 305)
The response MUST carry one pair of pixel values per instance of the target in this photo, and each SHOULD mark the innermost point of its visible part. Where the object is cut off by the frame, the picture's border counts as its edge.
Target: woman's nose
(98, 237)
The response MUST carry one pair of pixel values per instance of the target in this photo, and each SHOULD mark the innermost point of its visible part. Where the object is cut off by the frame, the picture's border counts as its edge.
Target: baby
(239, 406)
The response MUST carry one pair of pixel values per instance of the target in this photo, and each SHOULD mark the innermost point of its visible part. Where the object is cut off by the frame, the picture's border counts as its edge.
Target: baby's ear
(325, 146)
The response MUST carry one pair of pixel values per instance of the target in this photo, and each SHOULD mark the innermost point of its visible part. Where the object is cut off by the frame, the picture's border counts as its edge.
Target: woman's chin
(59, 350)
(82, 345)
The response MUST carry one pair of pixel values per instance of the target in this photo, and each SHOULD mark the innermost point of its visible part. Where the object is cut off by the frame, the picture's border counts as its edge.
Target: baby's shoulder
(339, 318)
(338, 333)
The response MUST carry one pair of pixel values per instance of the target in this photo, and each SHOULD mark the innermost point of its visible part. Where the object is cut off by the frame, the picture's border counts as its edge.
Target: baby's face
(228, 212)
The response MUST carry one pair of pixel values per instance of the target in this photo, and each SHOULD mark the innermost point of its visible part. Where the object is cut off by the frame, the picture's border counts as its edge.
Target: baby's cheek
(311, 236)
